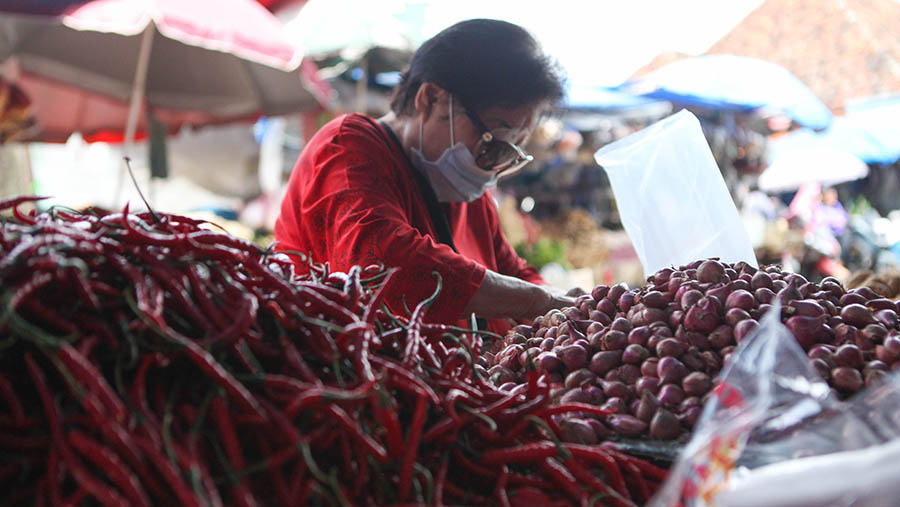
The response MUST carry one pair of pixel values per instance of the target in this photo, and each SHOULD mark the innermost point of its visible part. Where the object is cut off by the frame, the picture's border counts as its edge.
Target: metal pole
(137, 102)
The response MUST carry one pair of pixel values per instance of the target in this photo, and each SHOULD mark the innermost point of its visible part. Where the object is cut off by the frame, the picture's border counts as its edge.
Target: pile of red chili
(146, 359)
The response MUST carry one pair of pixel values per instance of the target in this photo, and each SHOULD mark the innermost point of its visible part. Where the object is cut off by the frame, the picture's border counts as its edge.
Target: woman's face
(511, 125)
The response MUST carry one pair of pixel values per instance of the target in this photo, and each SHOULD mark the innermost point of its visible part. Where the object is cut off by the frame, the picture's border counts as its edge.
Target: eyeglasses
(497, 155)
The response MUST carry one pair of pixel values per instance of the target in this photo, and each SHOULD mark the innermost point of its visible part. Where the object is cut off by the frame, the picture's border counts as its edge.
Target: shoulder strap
(438, 216)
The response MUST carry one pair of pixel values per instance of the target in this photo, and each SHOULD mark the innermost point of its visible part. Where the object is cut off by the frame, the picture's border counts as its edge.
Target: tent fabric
(869, 130)
(79, 67)
(733, 83)
(600, 98)
(806, 157)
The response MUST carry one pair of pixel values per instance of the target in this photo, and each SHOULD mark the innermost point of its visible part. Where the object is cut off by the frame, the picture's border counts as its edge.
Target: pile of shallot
(651, 353)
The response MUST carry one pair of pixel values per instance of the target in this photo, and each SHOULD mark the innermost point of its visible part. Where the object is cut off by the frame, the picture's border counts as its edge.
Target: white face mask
(454, 176)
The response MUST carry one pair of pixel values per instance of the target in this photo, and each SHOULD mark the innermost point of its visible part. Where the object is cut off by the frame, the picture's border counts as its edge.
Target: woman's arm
(501, 296)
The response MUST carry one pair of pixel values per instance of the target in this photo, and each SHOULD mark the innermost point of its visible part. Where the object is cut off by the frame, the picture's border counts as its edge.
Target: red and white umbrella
(93, 67)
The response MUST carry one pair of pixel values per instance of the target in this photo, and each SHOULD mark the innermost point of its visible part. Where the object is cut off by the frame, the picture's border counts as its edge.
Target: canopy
(601, 98)
(805, 157)
(196, 62)
(733, 83)
(869, 130)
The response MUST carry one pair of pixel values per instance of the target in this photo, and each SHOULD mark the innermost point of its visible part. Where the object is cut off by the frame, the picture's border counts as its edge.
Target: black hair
(483, 63)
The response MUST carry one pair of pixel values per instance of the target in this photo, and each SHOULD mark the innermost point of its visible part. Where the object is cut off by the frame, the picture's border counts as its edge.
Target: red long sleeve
(352, 199)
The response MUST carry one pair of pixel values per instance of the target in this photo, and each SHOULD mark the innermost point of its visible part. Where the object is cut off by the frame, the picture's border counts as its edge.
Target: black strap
(438, 215)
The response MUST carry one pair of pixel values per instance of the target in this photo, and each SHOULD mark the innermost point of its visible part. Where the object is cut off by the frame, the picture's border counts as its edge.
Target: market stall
(154, 357)
(150, 358)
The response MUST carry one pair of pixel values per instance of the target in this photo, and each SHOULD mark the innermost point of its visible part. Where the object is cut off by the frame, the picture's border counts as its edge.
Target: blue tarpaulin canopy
(804, 157)
(601, 98)
(733, 83)
(869, 130)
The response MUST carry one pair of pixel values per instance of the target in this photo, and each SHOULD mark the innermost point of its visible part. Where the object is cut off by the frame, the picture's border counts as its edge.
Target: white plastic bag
(773, 434)
(671, 197)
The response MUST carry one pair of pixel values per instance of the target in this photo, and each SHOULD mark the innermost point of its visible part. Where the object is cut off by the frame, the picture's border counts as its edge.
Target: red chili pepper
(386, 414)
(9, 424)
(36, 282)
(54, 480)
(173, 479)
(475, 468)
(374, 448)
(520, 411)
(100, 329)
(176, 289)
(12, 401)
(25, 443)
(122, 441)
(100, 491)
(450, 383)
(15, 201)
(404, 379)
(192, 459)
(412, 448)
(585, 476)
(596, 454)
(637, 482)
(315, 396)
(42, 313)
(204, 237)
(465, 496)
(227, 431)
(500, 487)
(444, 427)
(218, 253)
(274, 470)
(378, 296)
(564, 479)
(414, 338)
(106, 460)
(141, 232)
(280, 422)
(139, 284)
(138, 391)
(524, 453)
(84, 372)
(202, 296)
(365, 337)
(530, 480)
(244, 317)
(361, 478)
(242, 494)
(217, 372)
(27, 248)
(450, 402)
(650, 470)
(501, 404)
(439, 482)
(83, 288)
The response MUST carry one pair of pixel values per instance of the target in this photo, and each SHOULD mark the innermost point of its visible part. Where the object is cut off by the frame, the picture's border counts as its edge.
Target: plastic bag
(672, 198)
(774, 434)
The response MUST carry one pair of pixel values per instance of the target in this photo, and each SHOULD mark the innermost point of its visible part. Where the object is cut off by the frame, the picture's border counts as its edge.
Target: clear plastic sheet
(774, 434)
(671, 196)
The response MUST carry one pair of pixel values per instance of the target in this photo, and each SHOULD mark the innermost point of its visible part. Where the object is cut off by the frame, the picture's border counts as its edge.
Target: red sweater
(353, 199)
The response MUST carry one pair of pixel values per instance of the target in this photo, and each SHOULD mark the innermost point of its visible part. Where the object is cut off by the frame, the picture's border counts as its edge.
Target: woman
(408, 190)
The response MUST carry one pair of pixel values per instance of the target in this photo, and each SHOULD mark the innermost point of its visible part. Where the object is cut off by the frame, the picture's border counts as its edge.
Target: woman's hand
(501, 296)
